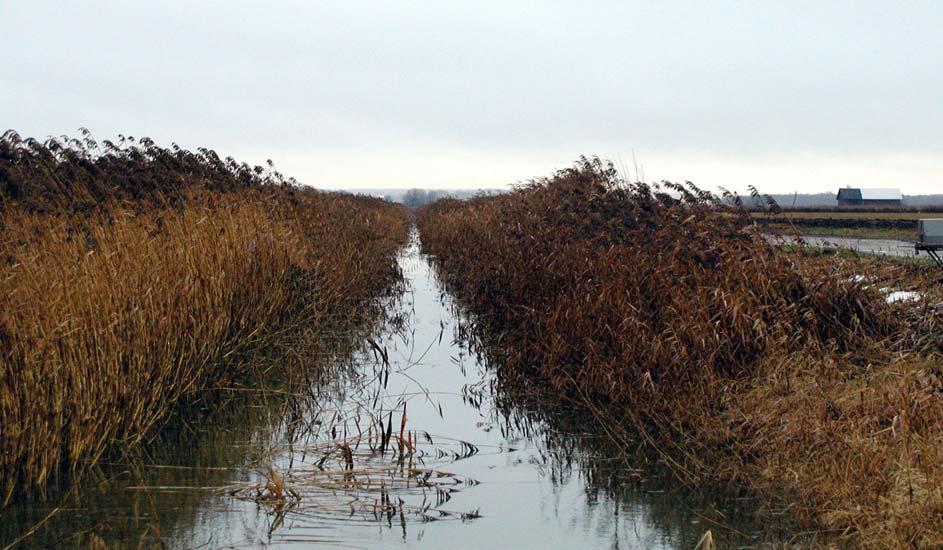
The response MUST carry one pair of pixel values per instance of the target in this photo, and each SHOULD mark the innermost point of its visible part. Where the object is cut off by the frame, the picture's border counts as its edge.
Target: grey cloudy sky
(787, 96)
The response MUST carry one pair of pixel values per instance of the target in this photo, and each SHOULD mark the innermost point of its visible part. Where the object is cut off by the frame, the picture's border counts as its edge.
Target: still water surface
(474, 468)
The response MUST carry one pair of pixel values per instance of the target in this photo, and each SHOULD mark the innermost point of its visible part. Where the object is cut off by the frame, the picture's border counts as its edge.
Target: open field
(136, 279)
(903, 234)
(896, 215)
(878, 224)
(772, 369)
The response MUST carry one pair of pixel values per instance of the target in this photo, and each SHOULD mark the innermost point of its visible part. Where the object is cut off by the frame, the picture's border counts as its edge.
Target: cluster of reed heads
(663, 307)
(136, 278)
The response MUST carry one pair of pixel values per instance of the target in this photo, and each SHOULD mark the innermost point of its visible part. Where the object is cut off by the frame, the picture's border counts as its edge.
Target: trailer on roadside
(930, 238)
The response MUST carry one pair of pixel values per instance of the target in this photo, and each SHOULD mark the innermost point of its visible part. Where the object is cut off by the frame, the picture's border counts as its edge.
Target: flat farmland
(902, 215)
(858, 223)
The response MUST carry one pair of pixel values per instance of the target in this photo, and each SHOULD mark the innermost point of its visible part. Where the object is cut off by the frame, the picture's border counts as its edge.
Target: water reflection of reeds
(622, 476)
(161, 493)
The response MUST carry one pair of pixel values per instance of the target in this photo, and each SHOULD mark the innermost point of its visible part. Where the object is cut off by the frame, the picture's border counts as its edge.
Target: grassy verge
(903, 234)
(734, 359)
(852, 214)
(868, 224)
(136, 278)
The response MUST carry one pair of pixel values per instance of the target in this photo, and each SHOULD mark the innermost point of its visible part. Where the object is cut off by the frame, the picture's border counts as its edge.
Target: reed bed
(663, 308)
(135, 279)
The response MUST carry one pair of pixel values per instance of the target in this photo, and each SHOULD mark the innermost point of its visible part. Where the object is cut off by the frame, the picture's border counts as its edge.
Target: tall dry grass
(624, 283)
(114, 310)
(663, 307)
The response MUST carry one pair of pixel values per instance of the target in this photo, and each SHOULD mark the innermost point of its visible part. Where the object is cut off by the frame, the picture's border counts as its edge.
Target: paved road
(889, 247)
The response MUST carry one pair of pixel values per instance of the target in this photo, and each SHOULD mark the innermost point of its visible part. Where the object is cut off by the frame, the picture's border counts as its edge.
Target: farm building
(852, 196)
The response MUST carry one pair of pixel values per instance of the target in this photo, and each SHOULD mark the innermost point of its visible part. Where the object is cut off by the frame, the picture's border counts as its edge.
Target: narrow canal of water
(466, 468)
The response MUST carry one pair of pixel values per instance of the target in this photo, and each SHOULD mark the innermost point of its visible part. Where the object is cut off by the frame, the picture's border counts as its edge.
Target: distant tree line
(415, 198)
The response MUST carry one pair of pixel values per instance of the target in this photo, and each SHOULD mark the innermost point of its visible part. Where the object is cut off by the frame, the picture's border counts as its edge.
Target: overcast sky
(788, 96)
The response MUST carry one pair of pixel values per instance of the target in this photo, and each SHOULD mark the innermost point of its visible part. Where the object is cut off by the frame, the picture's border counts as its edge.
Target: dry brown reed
(662, 306)
(142, 283)
(621, 286)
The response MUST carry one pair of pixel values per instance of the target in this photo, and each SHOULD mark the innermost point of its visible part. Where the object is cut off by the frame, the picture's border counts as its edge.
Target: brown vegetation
(134, 278)
(741, 361)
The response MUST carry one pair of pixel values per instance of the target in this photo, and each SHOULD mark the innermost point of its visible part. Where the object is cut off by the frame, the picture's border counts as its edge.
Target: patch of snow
(902, 296)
